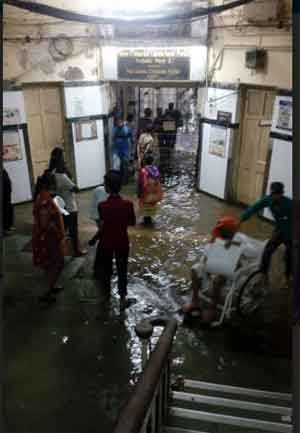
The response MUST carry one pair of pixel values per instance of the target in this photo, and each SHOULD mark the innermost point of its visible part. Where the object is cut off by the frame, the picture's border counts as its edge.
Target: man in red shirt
(115, 215)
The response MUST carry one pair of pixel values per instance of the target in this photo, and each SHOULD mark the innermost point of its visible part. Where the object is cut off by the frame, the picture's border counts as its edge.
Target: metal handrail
(133, 416)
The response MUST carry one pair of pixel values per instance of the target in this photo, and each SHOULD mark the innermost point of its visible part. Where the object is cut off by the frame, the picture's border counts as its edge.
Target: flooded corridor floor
(71, 366)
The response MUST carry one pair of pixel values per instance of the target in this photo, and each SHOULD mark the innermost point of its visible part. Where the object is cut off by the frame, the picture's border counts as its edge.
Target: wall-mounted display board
(152, 65)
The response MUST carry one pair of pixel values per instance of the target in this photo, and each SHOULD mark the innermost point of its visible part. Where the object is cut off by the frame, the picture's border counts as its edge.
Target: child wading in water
(149, 189)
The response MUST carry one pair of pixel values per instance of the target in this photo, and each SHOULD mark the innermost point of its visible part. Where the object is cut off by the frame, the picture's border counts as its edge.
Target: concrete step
(217, 408)
(181, 430)
(227, 391)
(233, 407)
(243, 424)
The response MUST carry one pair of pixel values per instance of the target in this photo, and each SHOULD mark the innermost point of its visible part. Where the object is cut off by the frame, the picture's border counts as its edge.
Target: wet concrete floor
(70, 367)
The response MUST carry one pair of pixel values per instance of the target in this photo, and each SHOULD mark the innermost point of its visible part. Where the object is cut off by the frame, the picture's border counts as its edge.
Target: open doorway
(134, 98)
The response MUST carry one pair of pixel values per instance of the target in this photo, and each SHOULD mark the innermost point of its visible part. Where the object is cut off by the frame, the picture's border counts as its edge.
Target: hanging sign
(224, 116)
(154, 64)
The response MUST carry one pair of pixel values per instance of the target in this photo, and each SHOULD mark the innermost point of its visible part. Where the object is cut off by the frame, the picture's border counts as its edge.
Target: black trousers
(71, 225)
(103, 268)
(8, 212)
(270, 249)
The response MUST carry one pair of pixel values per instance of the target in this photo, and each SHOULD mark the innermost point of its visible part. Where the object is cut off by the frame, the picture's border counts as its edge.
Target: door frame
(244, 87)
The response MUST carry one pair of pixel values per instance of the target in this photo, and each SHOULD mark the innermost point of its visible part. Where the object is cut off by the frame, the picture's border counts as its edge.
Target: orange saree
(48, 238)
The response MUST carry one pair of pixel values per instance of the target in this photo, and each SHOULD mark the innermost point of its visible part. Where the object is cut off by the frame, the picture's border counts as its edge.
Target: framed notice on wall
(12, 150)
(285, 115)
(217, 141)
(86, 130)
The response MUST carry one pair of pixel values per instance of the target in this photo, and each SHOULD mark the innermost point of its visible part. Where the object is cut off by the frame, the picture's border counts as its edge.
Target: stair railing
(147, 408)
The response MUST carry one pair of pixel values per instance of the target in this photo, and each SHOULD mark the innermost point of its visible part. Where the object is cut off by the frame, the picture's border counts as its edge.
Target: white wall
(281, 164)
(213, 169)
(35, 59)
(85, 101)
(227, 57)
(278, 72)
(18, 170)
(90, 159)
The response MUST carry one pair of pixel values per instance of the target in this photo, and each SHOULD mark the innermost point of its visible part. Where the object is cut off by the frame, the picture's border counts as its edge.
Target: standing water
(72, 366)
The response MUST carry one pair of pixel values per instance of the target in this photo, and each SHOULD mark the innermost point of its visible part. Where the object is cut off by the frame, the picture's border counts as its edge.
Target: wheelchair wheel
(252, 294)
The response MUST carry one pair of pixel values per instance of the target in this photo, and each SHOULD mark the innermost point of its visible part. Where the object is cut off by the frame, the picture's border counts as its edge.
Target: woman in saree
(48, 239)
(149, 189)
(145, 145)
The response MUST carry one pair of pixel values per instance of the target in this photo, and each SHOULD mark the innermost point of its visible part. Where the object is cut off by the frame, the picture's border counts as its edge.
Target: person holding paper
(66, 188)
(99, 196)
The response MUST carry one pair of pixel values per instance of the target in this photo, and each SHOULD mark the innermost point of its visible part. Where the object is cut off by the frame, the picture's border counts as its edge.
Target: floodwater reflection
(82, 357)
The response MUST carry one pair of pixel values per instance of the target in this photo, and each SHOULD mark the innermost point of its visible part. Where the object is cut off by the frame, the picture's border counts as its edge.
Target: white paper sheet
(86, 130)
(221, 260)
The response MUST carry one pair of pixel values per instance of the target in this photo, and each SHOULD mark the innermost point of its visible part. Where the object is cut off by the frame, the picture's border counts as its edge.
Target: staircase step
(181, 430)
(230, 403)
(197, 386)
(215, 418)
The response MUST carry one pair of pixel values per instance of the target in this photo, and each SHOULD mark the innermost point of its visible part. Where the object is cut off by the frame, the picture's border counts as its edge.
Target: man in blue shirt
(281, 209)
(122, 138)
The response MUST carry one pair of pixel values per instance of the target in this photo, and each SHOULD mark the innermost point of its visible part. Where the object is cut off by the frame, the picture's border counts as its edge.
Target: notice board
(153, 65)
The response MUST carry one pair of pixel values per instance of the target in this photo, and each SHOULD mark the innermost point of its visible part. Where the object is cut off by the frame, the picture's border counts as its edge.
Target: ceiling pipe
(66, 15)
